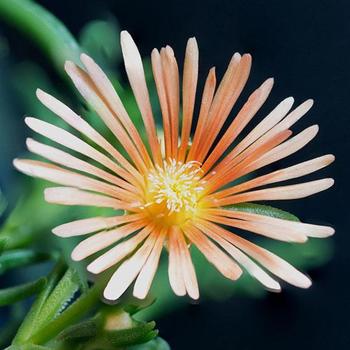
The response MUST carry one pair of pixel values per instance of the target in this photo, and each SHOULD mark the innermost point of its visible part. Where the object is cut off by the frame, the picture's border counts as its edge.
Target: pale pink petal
(119, 252)
(64, 177)
(215, 255)
(207, 98)
(188, 271)
(63, 158)
(247, 112)
(102, 240)
(291, 172)
(176, 277)
(73, 196)
(85, 226)
(253, 269)
(189, 87)
(144, 280)
(82, 126)
(128, 271)
(136, 75)
(279, 193)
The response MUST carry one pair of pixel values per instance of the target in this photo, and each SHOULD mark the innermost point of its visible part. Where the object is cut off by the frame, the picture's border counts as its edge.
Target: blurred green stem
(44, 28)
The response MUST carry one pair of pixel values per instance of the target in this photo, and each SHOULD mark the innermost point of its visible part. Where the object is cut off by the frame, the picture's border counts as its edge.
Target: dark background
(305, 45)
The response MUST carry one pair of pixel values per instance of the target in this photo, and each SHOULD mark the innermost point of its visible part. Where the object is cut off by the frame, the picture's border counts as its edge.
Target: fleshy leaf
(83, 330)
(13, 294)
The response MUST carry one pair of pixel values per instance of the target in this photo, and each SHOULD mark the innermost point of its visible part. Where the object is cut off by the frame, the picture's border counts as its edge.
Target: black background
(305, 45)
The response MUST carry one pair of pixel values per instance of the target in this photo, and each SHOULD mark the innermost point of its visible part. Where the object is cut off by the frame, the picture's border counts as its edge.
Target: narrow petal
(128, 271)
(107, 90)
(136, 75)
(83, 127)
(72, 142)
(214, 255)
(189, 87)
(282, 225)
(279, 193)
(250, 108)
(64, 177)
(88, 90)
(289, 173)
(119, 252)
(63, 158)
(253, 269)
(207, 99)
(85, 226)
(73, 196)
(188, 271)
(102, 240)
(176, 277)
(144, 280)
(263, 228)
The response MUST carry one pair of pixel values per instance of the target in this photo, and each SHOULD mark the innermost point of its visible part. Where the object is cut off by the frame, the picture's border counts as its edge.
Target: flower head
(177, 193)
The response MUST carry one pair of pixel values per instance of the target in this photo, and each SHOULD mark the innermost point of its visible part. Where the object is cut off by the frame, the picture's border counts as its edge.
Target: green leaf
(44, 28)
(32, 320)
(21, 257)
(3, 204)
(263, 210)
(59, 298)
(141, 333)
(14, 294)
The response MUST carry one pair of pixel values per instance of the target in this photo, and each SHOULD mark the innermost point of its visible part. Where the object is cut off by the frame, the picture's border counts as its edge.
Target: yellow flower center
(173, 192)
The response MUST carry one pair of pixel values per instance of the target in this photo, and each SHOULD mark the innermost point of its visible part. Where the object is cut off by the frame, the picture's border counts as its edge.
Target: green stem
(44, 28)
(74, 312)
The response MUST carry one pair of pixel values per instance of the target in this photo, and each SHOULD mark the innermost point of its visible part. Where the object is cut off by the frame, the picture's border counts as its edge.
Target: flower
(177, 193)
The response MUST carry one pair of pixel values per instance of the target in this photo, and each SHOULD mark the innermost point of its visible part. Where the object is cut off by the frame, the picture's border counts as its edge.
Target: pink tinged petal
(63, 158)
(176, 278)
(276, 223)
(189, 87)
(128, 271)
(87, 89)
(207, 98)
(119, 252)
(107, 90)
(73, 196)
(64, 177)
(144, 280)
(266, 124)
(85, 226)
(287, 148)
(228, 92)
(85, 128)
(102, 240)
(172, 88)
(252, 268)
(289, 173)
(262, 228)
(188, 271)
(214, 255)
(161, 90)
(68, 140)
(250, 108)
(280, 193)
(136, 75)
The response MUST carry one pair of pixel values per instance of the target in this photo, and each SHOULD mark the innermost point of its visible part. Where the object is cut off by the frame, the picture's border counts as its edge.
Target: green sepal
(262, 209)
(140, 333)
(13, 294)
(155, 344)
(83, 330)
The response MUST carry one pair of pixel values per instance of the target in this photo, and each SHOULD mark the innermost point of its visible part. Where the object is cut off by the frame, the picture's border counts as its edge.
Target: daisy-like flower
(176, 193)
